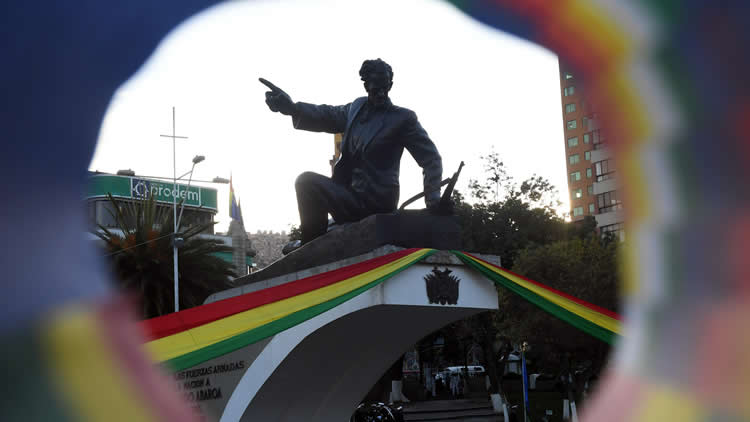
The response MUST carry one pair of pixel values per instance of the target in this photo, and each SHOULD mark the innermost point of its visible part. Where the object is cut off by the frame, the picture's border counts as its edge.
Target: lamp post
(178, 241)
(174, 202)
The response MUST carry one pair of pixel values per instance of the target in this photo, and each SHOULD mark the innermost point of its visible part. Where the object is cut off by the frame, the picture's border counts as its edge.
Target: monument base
(406, 228)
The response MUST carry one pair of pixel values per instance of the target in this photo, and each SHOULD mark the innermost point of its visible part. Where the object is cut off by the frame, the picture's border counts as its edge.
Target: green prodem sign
(138, 188)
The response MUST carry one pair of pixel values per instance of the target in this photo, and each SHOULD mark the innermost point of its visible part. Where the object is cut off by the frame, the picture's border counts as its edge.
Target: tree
(507, 217)
(141, 255)
(295, 232)
(584, 268)
(511, 219)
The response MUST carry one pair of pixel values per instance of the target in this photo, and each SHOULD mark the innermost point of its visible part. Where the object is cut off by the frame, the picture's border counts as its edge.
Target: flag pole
(524, 375)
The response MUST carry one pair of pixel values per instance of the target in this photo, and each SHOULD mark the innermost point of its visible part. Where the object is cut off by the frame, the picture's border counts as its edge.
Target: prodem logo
(141, 188)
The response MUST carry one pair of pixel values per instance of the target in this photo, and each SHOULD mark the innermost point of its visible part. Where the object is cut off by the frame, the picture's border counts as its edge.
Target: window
(576, 175)
(577, 211)
(590, 190)
(194, 218)
(598, 139)
(586, 138)
(587, 155)
(568, 75)
(571, 124)
(616, 230)
(574, 159)
(91, 212)
(569, 91)
(591, 208)
(105, 213)
(579, 193)
(608, 201)
(589, 122)
(604, 170)
(593, 122)
(588, 173)
(572, 142)
(570, 108)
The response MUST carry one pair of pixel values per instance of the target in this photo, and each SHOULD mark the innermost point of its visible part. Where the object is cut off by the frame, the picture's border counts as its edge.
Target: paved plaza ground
(469, 410)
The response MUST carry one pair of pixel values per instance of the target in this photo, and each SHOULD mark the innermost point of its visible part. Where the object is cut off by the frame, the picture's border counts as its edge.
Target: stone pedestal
(407, 229)
(352, 344)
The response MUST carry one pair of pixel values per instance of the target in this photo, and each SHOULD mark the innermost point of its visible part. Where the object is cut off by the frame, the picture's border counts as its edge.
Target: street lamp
(177, 242)
(197, 159)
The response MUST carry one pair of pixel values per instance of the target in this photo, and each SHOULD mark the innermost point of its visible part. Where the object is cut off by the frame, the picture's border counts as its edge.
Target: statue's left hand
(278, 100)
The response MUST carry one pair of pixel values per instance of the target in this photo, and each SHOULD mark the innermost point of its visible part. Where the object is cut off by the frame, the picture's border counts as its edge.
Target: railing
(605, 176)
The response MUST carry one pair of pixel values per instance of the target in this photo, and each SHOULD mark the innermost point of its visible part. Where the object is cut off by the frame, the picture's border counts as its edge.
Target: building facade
(268, 246)
(200, 202)
(592, 181)
(200, 208)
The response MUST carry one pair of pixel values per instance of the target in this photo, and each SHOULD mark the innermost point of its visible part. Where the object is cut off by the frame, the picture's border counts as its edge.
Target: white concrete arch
(319, 370)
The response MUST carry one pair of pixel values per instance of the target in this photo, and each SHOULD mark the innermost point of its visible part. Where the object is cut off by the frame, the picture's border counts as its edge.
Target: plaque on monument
(209, 385)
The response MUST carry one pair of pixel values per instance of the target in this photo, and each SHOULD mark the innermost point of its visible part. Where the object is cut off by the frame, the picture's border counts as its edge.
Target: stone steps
(451, 410)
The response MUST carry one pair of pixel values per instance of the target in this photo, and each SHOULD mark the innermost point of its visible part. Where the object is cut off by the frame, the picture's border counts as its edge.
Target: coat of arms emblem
(442, 287)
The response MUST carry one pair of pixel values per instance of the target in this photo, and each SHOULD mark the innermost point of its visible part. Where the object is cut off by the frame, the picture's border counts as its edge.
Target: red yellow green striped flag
(193, 336)
(190, 337)
(594, 320)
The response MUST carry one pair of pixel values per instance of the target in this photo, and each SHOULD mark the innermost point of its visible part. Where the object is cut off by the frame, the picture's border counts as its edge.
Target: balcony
(601, 154)
(606, 186)
(608, 218)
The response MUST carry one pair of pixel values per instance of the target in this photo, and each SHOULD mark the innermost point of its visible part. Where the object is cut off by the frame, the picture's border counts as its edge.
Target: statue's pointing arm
(320, 118)
(316, 118)
(421, 147)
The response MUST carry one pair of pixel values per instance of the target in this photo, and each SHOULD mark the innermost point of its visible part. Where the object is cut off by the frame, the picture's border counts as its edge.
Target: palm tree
(141, 255)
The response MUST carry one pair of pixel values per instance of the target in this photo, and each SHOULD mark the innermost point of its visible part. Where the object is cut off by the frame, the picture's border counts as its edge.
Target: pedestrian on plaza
(464, 382)
(454, 384)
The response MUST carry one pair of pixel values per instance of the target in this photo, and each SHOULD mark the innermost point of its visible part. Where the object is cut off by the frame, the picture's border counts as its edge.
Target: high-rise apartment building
(592, 184)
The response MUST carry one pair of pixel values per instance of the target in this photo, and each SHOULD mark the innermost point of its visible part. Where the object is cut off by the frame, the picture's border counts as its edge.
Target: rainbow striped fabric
(192, 336)
(85, 364)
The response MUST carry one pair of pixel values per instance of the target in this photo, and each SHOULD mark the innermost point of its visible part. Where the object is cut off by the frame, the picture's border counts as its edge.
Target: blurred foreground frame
(670, 78)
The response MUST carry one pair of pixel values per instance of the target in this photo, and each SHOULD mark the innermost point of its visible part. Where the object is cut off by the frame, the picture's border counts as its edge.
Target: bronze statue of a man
(365, 179)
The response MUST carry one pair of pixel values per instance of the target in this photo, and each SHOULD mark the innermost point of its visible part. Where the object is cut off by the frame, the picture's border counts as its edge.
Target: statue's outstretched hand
(278, 100)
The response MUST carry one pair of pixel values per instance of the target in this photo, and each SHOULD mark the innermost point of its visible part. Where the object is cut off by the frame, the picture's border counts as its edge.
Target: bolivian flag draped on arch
(190, 337)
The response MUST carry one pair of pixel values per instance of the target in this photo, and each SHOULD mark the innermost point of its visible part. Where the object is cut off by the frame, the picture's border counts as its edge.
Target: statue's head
(378, 78)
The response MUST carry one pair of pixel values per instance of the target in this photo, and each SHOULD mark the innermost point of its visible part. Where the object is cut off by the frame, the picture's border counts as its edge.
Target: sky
(474, 89)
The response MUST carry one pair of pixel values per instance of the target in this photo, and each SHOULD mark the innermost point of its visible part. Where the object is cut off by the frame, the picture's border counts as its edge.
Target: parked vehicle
(472, 371)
